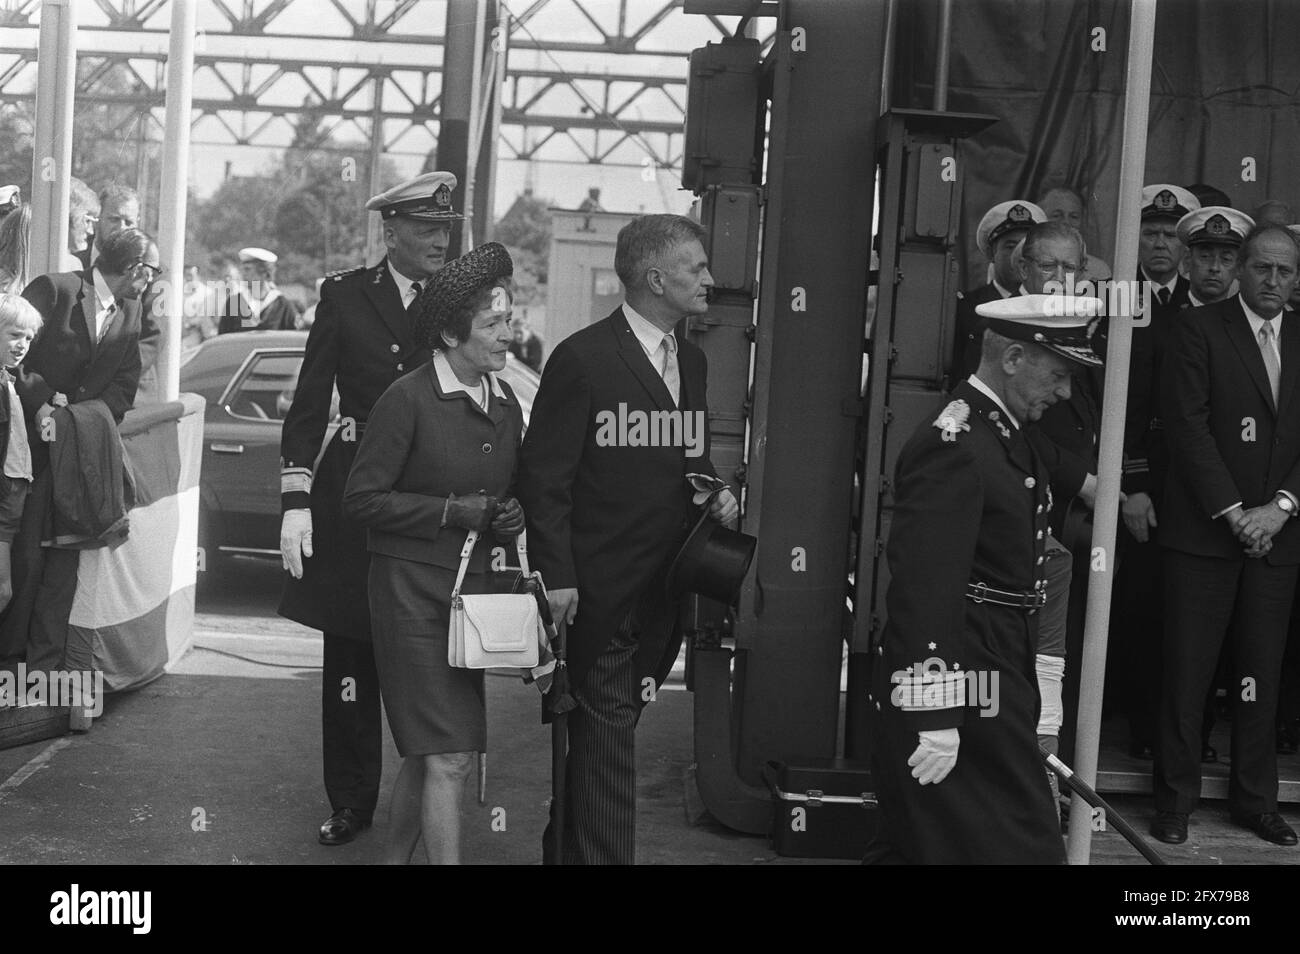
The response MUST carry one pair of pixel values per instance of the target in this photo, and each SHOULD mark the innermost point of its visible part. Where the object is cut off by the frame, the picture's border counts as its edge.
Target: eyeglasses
(153, 271)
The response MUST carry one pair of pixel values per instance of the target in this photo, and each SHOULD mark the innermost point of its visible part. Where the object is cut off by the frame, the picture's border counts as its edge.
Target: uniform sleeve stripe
(295, 481)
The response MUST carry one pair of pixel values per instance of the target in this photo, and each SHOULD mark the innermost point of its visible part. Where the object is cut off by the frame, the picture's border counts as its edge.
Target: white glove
(936, 756)
(295, 540)
(724, 508)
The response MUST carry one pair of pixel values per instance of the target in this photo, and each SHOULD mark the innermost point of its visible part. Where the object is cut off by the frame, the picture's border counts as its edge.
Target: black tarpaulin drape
(1225, 89)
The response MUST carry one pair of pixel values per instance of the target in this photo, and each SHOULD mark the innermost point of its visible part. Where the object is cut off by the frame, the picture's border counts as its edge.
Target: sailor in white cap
(257, 305)
(361, 341)
(1159, 250)
(959, 779)
(998, 234)
(1212, 236)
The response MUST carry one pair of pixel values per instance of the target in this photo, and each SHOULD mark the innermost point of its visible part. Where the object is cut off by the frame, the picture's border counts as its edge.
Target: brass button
(394, 348)
(401, 367)
(487, 448)
(1039, 535)
(1040, 561)
(1039, 510)
(880, 650)
(1030, 482)
(877, 706)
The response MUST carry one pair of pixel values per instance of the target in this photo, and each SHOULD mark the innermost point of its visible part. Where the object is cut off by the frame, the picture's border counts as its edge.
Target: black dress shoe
(1209, 753)
(341, 827)
(1270, 826)
(1170, 827)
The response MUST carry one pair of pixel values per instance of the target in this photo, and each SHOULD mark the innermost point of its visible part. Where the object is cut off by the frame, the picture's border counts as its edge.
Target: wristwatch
(1286, 504)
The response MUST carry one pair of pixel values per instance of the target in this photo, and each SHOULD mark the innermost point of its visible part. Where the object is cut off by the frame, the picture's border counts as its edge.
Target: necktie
(1271, 363)
(411, 310)
(1163, 296)
(671, 375)
(106, 321)
(18, 455)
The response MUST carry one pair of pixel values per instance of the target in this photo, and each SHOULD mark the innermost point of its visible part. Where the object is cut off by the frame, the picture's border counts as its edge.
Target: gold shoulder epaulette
(344, 273)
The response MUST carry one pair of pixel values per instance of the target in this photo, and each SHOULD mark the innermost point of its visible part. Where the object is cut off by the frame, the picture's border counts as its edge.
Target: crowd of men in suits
(1208, 551)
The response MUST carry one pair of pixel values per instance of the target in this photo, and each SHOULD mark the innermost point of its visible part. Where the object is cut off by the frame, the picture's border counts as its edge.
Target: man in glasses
(88, 349)
(119, 210)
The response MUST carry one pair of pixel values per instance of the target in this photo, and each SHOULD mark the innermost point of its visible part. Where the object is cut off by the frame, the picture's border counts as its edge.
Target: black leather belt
(983, 593)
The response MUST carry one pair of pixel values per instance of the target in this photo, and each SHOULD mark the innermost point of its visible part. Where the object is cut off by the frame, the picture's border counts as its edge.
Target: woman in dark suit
(437, 460)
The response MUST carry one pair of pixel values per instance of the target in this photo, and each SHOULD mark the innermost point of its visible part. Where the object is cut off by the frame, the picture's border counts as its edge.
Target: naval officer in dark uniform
(362, 340)
(997, 236)
(957, 768)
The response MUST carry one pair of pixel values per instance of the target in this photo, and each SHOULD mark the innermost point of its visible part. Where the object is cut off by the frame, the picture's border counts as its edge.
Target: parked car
(247, 382)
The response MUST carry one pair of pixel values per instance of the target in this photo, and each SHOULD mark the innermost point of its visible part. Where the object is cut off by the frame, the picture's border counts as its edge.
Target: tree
(525, 230)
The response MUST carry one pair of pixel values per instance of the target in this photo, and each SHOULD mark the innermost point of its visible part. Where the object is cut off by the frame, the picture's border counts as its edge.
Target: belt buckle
(980, 587)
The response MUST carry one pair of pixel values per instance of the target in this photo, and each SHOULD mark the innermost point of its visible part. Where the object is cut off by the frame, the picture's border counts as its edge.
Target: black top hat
(712, 562)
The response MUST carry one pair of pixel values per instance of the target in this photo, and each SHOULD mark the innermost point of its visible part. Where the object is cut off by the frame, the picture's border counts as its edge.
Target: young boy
(19, 322)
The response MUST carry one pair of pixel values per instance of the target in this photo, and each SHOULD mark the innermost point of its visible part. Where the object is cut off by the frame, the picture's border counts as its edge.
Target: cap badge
(1018, 213)
(952, 420)
(1217, 225)
(442, 196)
(1165, 200)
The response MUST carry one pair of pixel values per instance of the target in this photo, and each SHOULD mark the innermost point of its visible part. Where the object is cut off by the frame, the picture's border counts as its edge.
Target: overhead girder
(551, 113)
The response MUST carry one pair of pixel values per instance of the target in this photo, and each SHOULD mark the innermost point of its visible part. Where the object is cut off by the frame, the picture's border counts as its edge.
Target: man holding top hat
(997, 236)
(957, 767)
(363, 339)
(605, 518)
(257, 305)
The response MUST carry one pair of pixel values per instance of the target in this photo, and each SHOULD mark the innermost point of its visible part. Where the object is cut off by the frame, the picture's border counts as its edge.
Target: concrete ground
(218, 762)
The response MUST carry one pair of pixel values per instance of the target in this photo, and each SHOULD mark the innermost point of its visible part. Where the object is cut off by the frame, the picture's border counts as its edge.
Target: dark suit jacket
(64, 357)
(1227, 442)
(150, 331)
(1146, 456)
(606, 519)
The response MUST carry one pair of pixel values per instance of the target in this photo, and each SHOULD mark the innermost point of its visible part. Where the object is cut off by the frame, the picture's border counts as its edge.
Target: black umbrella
(1085, 792)
(556, 705)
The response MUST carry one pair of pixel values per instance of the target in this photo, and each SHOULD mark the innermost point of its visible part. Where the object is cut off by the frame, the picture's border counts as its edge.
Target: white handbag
(492, 630)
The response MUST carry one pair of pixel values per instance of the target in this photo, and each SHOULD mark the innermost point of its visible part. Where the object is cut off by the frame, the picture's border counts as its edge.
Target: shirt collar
(987, 391)
(1257, 320)
(1169, 284)
(403, 283)
(1005, 293)
(448, 383)
(646, 333)
(102, 291)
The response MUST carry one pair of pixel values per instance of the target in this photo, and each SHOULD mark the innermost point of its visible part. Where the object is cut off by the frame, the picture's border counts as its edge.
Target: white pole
(1141, 44)
(172, 194)
(56, 75)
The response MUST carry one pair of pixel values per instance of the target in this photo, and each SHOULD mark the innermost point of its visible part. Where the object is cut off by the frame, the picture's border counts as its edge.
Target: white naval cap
(10, 196)
(1167, 201)
(1012, 216)
(255, 254)
(1059, 323)
(1214, 224)
(427, 197)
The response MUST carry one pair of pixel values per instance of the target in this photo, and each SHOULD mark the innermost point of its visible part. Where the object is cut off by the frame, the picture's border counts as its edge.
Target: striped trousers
(600, 827)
